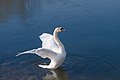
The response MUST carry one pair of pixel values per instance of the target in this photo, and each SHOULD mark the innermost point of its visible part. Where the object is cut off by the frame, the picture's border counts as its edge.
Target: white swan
(52, 48)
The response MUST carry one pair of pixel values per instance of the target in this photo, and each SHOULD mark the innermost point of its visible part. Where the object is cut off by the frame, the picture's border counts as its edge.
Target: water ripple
(27, 66)
(88, 65)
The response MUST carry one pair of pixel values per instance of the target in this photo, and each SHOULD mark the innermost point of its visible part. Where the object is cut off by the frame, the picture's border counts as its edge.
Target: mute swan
(52, 48)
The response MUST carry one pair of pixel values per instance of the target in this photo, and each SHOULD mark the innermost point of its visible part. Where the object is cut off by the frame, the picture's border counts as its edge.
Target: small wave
(88, 65)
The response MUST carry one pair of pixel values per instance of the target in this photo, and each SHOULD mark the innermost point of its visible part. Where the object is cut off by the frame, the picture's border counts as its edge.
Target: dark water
(92, 38)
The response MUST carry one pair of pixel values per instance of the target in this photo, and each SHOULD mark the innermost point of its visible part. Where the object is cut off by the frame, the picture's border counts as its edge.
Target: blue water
(92, 38)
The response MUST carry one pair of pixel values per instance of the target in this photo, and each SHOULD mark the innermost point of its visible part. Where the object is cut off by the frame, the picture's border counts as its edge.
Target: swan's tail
(27, 52)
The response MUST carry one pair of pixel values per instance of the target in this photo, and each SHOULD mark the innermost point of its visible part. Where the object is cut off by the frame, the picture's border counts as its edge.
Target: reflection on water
(8, 8)
(27, 69)
(26, 9)
(57, 74)
(75, 67)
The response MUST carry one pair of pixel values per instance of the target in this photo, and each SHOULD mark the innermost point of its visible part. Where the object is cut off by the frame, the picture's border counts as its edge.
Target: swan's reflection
(57, 74)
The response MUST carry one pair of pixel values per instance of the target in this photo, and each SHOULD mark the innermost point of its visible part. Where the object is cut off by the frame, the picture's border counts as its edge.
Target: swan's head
(59, 29)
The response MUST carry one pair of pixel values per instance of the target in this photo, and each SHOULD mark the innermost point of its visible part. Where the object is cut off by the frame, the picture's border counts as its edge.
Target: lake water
(92, 38)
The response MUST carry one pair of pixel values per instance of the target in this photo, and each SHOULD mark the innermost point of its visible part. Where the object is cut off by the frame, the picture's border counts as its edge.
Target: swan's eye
(61, 29)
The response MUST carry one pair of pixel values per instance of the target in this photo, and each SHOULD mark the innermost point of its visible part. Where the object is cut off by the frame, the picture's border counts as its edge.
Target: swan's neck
(56, 39)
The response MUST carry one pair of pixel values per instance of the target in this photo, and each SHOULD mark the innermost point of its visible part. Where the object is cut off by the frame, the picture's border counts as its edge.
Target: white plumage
(52, 48)
(48, 42)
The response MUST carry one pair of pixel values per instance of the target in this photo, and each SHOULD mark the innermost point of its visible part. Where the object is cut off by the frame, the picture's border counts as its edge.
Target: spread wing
(48, 42)
(49, 47)
(44, 53)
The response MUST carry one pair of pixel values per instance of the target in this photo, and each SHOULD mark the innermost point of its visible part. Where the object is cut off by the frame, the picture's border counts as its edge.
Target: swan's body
(52, 48)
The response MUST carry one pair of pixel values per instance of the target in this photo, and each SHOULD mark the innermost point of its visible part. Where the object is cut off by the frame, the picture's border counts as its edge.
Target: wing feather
(48, 42)
(44, 53)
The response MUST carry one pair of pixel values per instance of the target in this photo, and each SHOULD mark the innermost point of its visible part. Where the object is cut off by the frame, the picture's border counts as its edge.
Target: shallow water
(92, 38)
